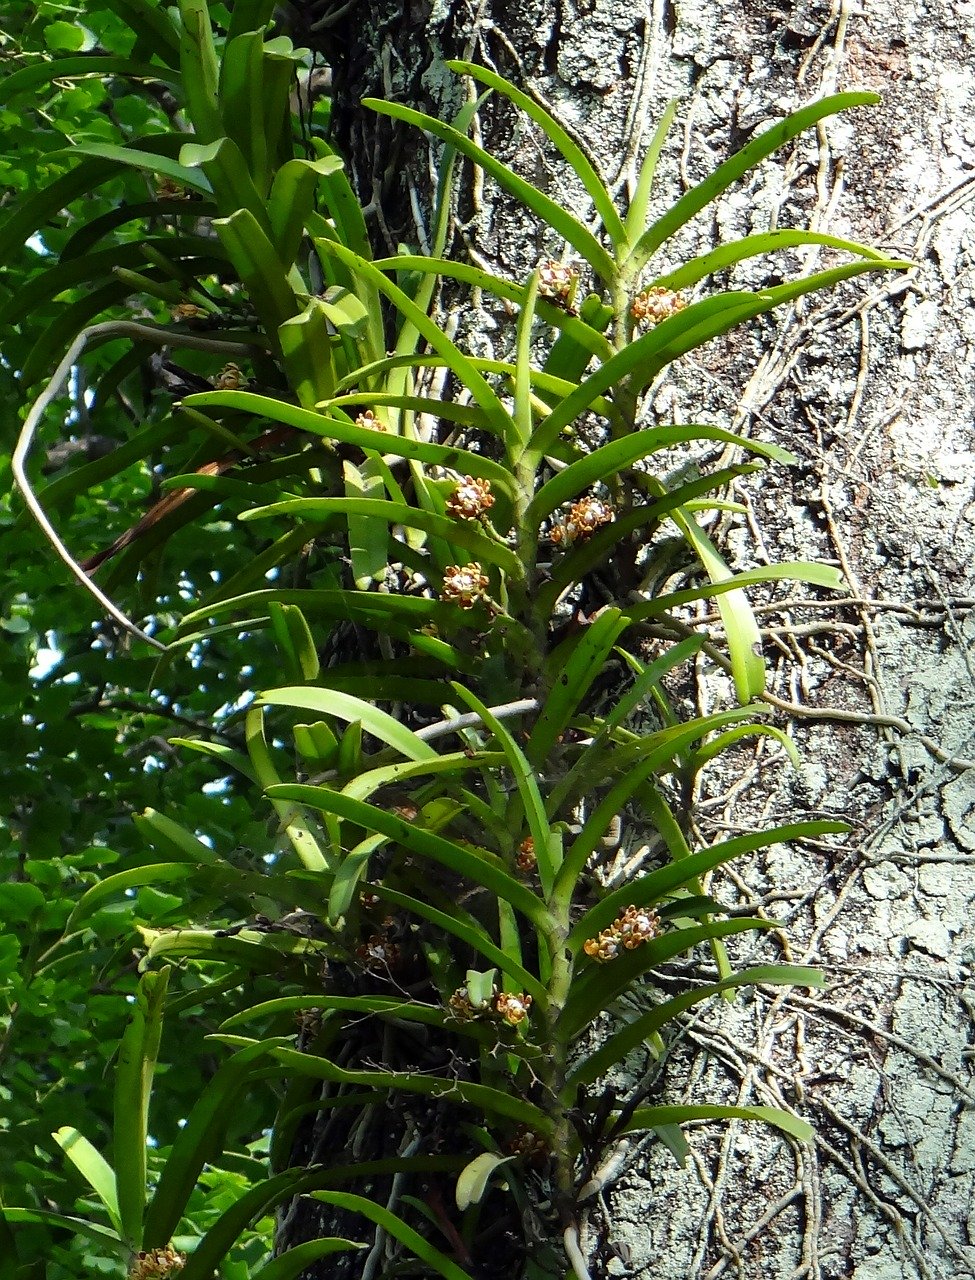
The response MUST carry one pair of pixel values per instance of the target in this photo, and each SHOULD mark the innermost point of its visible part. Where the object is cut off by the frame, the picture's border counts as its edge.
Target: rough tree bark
(872, 386)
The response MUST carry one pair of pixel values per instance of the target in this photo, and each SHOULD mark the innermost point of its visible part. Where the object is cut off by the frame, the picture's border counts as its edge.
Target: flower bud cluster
(187, 311)
(556, 282)
(369, 420)
(507, 1006)
(526, 861)
(512, 1008)
(380, 952)
(154, 1264)
(471, 499)
(529, 1146)
(628, 931)
(230, 378)
(654, 305)
(584, 518)
(464, 585)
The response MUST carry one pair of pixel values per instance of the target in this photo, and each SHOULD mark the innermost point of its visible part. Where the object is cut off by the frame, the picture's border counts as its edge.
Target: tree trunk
(871, 386)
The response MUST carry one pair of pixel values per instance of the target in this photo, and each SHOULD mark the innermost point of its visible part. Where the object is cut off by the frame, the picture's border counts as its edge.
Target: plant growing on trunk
(459, 790)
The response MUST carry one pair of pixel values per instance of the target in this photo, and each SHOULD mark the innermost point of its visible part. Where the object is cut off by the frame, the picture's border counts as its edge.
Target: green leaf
(478, 865)
(345, 884)
(172, 840)
(19, 900)
(458, 532)
(292, 199)
(741, 630)
(572, 684)
(203, 1262)
(822, 575)
(295, 641)
(344, 432)
(342, 706)
(200, 68)
(133, 1088)
(397, 1228)
(452, 356)
(240, 95)
(726, 255)
(64, 35)
(474, 1178)
(548, 849)
(636, 216)
(473, 935)
(77, 1226)
(136, 158)
(648, 889)
(614, 1049)
(300, 1257)
(122, 881)
(260, 269)
(736, 167)
(199, 1140)
(307, 348)
(574, 156)
(303, 839)
(93, 1167)
(552, 214)
(653, 1117)
(610, 459)
(40, 74)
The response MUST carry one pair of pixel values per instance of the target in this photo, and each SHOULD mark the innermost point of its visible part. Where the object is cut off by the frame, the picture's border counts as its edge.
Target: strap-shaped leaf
(551, 213)
(398, 1229)
(609, 459)
(648, 889)
(304, 840)
(200, 69)
(736, 167)
(204, 1262)
(459, 533)
(345, 432)
(470, 932)
(585, 556)
(613, 1050)
(600, 985)
(292, 199)
(172, 840)
(570, 151)
(122, 881)
(428, 329)
(572, 683)
(299, 1257)
(822, 575)
(591, 339)
(689, 329)
(593, 767)
(726, 255)
(481, 1097)
(548, 849)
(153, 25)
(259, 267)
(249, 15)
(476, 865)
(100, 1236)
(636, 215)
(342, 706)
(653, 1117)
(133, 1088)
(197, 1141)
(93, 1167)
